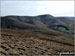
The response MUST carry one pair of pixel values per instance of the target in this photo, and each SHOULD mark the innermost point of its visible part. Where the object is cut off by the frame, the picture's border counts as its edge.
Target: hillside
(40, 22)
(36, 35)
(19, 42)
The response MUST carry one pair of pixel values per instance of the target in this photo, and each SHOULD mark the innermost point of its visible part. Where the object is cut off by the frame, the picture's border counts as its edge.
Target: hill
(36, 35)
(39, 23)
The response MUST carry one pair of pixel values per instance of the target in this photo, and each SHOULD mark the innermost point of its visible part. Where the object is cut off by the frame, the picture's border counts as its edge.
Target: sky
(34, 8)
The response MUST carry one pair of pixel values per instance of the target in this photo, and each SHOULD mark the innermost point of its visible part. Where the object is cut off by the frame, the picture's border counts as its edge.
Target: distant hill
(45, 23)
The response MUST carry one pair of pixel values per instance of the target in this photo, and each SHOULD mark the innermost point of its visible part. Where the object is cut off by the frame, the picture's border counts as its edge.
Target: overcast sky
(33, 8)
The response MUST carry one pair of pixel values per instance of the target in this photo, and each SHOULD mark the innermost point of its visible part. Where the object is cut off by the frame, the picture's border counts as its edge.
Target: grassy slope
(28, 42)
(35, 22)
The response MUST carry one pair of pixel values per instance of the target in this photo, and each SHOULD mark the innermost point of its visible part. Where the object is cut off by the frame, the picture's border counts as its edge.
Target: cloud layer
(33, 8)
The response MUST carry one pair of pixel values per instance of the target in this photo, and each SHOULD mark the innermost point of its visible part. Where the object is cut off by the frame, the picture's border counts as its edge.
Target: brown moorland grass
(21, 42)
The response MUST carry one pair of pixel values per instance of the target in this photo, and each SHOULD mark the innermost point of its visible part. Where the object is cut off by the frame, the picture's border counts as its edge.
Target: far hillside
(45, 23)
